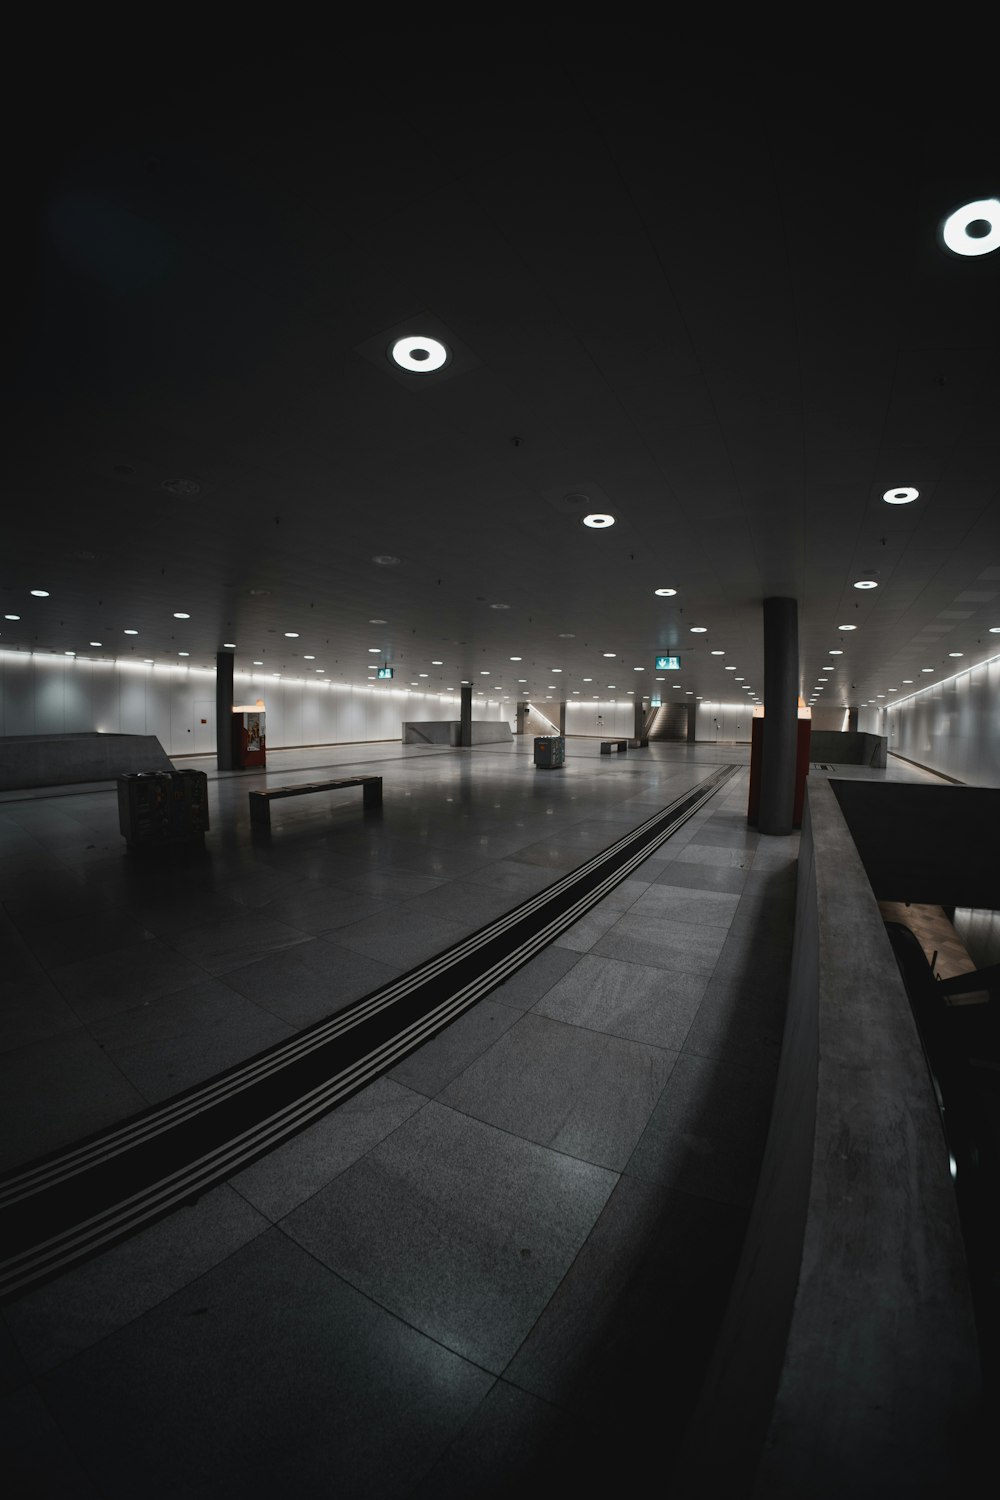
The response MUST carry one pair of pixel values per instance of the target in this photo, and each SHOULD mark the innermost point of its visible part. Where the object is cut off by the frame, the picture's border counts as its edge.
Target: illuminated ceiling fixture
(956, 653)
(229, 645)
(598, 519)
(907, 681)
(437, 663)
(730, 669)
(900, 497)
(866, 583)
(718, 653)
(183, 653)
(973, 229)
(291, 635)
(835, 652)
(698, 629)
(847, 627)
(926, 669)
(69, 653)
(258, 663)
(499, 606)
(178, 616)
(995, 630)
(40, 593)
(418, 355)
(665, 593)
(385, 560)
(308, 658)
(131, 632)
(97, 643)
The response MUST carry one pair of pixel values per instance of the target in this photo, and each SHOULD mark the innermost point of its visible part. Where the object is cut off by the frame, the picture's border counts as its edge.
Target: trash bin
(550, 751)
(162, 807)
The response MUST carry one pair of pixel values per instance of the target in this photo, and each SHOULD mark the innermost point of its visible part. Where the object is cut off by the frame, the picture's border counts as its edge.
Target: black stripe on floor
(69, 1205)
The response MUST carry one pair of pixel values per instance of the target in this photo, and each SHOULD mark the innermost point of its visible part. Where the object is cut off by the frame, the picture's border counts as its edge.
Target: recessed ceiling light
(603, 653)
(740, 679)
(555, 669)
(178, 616)
(484, 673)
(823, 679)
(418, 354)
(698, 629)
(835, 652)
(40, 593)
(847, 627)
(437, 663)
(995, 630)
(894, 690)
(319, 669)
(499, 606)
(131, 632)
(689, 692)
(522, 679)
(973, 229)
(908, 680)
(926, 669)
(730, 669)
(597, 520)
(97, 643)
(292, 635)
(308, 658)
(229, 645)
(385, 560)
(69, 653)
(830, 669)
(588, 679)
(12, 617)
(567, 635)
(718, 653)
(515, 658)
(258, 663)
(956, 653)
(148, 660)
(665, 593)
(638, 669)
(900, 496)
(612, 684)
(866, 583)
(423, 674)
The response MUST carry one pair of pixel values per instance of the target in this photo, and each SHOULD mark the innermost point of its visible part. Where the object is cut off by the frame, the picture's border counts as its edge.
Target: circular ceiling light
(598, 519)
(567, 635)
(847, 627)
(69, 653)
(183, 653)
(730, 669)
(385, 560)
(900, 497)
(665, 593)
(229, 645)
(907, 680)
(718, 653)
(926, 669)
(130, 632)
(437, 663)
(97, 643)
(995, 630)
(515, 658)
(40, 593)
(418, 355)
(956, 653)
(835, 652)
(973, 229)
(698, 629)
(866, 583)
(178, 616)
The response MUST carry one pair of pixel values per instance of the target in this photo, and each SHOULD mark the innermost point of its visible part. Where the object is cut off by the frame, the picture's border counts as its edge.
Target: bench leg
(260, 812)
(372, 793)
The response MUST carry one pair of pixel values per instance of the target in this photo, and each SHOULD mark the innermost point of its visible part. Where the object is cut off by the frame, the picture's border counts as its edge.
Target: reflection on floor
(502, 1263)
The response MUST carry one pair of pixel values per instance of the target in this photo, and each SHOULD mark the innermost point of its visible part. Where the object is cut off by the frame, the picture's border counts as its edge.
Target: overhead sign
(668, 663)
(385, 671)
(656, 703)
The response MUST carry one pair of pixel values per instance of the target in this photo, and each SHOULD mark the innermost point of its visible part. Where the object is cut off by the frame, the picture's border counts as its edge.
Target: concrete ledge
(848, 1360)
(447, 732)
(848, 747)
(64, 759)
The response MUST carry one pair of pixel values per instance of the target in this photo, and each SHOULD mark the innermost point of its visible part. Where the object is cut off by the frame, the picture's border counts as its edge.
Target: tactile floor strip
(69, 1205)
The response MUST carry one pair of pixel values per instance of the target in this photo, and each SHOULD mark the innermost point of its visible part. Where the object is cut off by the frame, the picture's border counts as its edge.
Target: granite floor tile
(646, 1294)
(718, 834)
(407, 942)
(740, 1021)
(85, 1304)
(730, 878)
(315, 907)
(706, 1135)
(227, 945)
(291, 1173)
(660, 941)
(684, 904)
(585, 932)
(305, 1359)
(179, 1014)
(449, 1053)
(30, 1011)
(462, 901)
(38, 1462)
(714, 854)
(520, 880)
(311, 981)
(462, 1230)
(109, 982)
(535, 977)
(580, 1092)
(642, 1004)
(82, 1091)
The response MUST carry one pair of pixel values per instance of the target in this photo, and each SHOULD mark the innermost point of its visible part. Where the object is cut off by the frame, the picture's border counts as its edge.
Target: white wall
(953, 726)
(60, 695)
(606, 719)
(723, 721)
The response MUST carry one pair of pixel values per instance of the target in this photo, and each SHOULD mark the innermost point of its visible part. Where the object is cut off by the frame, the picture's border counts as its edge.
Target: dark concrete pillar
(852, 721)
(562, 718)
(638, 719)
(465, 723)
(522, 709)
(224, 710)
(781, 716)
(692, 722)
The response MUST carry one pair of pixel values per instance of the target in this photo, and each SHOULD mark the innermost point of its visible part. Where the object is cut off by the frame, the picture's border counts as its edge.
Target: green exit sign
(385, 671)
(668, 663)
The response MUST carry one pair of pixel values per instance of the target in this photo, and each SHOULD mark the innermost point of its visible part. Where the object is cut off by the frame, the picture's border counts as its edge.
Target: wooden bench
(608, 745)
(260, 802)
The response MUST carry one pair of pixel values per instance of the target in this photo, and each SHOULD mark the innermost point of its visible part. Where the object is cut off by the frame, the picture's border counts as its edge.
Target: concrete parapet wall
(64, 759)
(447, 732)
(848, 1361)
(848, 748)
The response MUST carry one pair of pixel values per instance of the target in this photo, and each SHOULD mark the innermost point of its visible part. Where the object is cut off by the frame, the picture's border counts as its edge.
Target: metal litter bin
(550, 751)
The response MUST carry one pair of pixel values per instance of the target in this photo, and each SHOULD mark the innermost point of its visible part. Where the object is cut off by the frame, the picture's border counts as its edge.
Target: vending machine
(249, 748)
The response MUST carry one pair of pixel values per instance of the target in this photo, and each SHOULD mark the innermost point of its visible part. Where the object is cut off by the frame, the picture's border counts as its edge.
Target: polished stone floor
(496, 1269)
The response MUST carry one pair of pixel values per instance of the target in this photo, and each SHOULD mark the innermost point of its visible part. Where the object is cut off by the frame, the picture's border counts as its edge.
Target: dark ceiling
(695, 279)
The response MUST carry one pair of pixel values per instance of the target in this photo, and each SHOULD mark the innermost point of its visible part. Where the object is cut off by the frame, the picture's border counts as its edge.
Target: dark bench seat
(608, 745)
(260, 802)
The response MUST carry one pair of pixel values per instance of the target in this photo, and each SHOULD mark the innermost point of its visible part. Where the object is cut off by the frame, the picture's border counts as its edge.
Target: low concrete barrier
(28, 760)
(447, 732)
(848, 1361)
(848, 747)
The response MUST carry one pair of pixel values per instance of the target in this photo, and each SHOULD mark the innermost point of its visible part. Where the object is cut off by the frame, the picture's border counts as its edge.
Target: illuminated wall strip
(919, 692)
